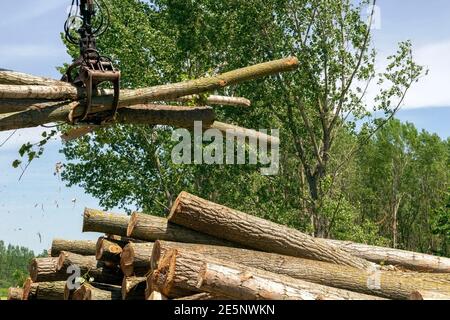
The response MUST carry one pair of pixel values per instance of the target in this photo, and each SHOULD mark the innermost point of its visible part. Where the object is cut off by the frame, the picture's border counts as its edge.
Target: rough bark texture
(235, 131)
(203, 297)
(109, 250)
(151, 228)
(133, 288)
(99, 221)
(174, 293)
(404, 259)
(204, 216)
(90, 292)
(60, 111)
(15, 294)
(29, 290)
(18, 78)
(90, 268)
(82, 247)
(135, 259)
(218, 100)
(53, 290)
(428, 295)
(388, 284)
(187, 270)
(45, 269)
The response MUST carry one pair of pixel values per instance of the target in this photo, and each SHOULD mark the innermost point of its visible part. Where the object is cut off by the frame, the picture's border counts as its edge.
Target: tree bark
(109, 250)
(60, 111)
(18, 78)
(151, 228)
(133, 288)
(90, 292)
(99, 221)
(90, 268)
(400, 258)
(82, 247)
(191, 271)
(135, 259)
(45, 270)
(204, 216)
(236, 131)
(428, 295)
(218, 100)
(204, 297)
(15, 294)
(52, 290)
(387, 284)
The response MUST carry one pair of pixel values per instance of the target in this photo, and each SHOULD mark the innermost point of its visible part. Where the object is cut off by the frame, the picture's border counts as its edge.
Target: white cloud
(434, 89)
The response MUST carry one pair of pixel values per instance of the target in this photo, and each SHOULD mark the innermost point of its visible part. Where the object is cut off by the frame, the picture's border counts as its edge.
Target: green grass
(3, 293)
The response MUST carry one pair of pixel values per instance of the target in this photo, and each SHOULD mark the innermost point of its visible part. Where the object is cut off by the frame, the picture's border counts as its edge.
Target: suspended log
(60, 111)
(404, 259)
(82, 247)
(18, 78)
(109, 250)
(90, 268)
(187, 270)
(151, 228)
(235, 131)
(90, 292)
(133, 288)
(391, 285)
(15, 294)
(218, 100)
(204, 216)
(45, 270)
(135, 259)
(99, 221)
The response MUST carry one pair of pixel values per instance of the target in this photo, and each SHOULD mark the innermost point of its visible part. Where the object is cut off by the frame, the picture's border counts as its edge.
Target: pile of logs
(205, 251)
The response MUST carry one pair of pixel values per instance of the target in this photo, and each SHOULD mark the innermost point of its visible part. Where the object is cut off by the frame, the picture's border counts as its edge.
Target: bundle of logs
(30, 101)
(206, 251)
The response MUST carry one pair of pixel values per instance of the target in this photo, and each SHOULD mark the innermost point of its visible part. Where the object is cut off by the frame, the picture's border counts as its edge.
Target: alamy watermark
(230, 146)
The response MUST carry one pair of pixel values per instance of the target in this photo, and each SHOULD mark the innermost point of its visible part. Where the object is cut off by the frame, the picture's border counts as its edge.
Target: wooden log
(204, 216)
(90, 268)
(135, 259)
(99, 221)
(133, 288)
(51, 290)
(428, 295)
(29, 289)
(191, 271)
(109, 250)
(157, 296)
(218, 100)
(19, 78)
(61, 111)
(151, 228)
(229, 130)
(401, 258)
(204, 297)
(387, 284)
(89, 292)
(15, 294)
(174, 293)
(45, 270)
(82, 247)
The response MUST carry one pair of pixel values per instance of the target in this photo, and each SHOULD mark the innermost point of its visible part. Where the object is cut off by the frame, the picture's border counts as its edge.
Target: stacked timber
(206, 251)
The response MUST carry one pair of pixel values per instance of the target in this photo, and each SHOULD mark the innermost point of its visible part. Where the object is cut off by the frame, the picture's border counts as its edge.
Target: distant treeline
(14, 262)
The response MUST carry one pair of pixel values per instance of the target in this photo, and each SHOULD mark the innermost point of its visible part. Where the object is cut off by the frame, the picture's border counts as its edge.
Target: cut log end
(163, 276)
(127, 260)
(15, 294)
(132, 224)
(176, 207)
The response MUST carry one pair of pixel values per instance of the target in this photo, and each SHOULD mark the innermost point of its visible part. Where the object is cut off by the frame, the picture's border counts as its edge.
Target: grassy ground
(3, 294)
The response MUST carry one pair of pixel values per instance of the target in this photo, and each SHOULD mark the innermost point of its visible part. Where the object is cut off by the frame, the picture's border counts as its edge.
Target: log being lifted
(387, 284)
(15, 294)
(151, 228)
(59, 111)
(133, 288)
(89, 267)
(45, 270)
(99, 221)
(204, 216)
(404, 259)
(82, 247)
(183, 269)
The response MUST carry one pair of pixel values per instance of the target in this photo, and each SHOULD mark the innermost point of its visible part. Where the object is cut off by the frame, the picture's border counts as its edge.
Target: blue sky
(39, 207)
